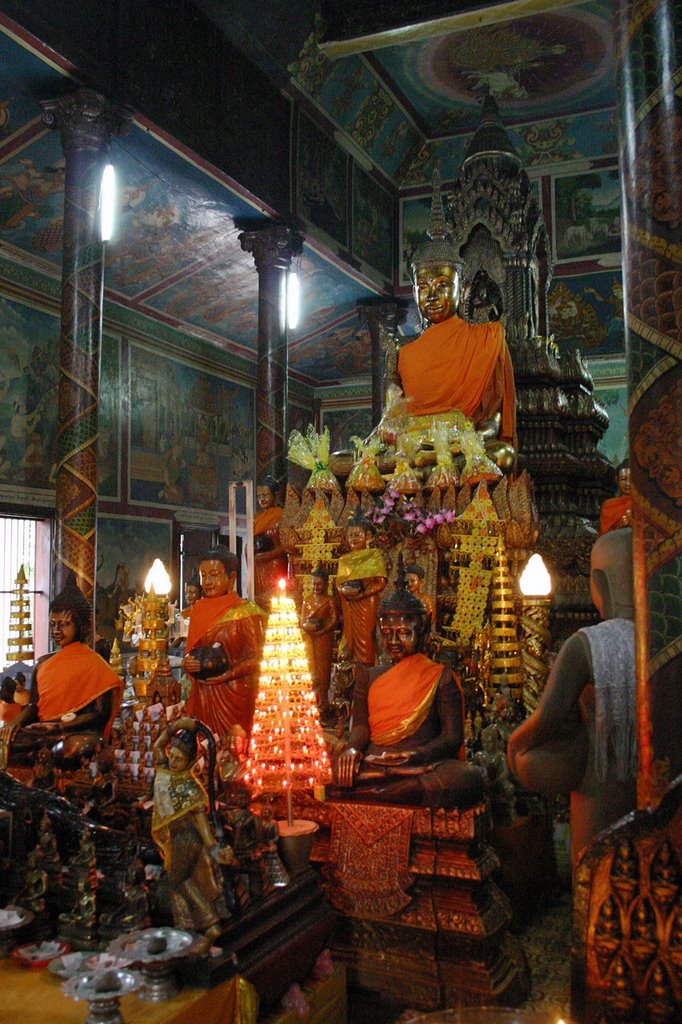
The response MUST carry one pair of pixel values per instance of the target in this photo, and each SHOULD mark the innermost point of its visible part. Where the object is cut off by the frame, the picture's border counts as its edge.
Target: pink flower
(429, 522)
(410, 515)
(421, 528)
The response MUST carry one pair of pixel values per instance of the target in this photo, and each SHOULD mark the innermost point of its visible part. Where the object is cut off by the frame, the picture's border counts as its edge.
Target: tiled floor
(547, 944)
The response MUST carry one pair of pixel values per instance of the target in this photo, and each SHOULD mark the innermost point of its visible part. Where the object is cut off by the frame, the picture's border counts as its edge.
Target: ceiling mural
(550, 64)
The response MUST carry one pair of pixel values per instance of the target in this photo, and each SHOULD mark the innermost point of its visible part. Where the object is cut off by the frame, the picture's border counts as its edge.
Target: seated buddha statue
(457, 366)
(406, 742)
(74, 693)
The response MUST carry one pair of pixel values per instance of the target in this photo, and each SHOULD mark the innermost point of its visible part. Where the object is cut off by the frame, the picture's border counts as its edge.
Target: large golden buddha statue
(457, 372)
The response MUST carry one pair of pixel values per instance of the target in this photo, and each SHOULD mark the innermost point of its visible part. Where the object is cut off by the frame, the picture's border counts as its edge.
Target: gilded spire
(439, 250)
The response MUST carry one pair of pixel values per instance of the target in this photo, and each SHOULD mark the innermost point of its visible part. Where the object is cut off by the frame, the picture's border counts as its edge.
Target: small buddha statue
(360, 578)
(270, 558)
(414, 575)
(319, 618)
(616, 513)
(406, 742)
(454, 365)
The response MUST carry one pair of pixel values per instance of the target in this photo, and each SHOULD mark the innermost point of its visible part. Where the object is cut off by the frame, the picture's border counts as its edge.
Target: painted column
(86, 122)
(273, 249)
(382, 318)
(648, 47)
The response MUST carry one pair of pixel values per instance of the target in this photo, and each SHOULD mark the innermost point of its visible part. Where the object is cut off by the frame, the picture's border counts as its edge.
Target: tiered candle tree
(287, 749)
(20, 643)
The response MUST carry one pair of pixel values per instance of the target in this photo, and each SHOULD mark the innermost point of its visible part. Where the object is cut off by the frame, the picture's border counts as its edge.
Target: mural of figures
(346, 423)
(126, 548)
(372, 223)
(182, 451)
(322, 186)
(29, 374)
(587, 214)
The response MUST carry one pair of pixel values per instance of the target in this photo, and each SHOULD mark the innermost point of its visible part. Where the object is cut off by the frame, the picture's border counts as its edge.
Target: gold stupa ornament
(20, 643)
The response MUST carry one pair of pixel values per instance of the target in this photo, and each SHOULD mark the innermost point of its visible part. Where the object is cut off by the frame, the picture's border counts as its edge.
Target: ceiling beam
(365, 26)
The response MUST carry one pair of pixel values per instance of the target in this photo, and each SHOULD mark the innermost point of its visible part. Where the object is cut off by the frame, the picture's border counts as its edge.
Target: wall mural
(191, 432)
(586, 312)
(372, 223)
(614, 443)
(126, 548)
(322, 181)
(346, 423)
(586, 214)
(29, 378)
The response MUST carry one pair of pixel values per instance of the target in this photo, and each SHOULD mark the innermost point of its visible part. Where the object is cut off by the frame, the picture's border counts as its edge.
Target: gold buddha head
(436, 266)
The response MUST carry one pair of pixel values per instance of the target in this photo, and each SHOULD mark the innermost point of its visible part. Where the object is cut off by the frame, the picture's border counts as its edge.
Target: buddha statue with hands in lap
(406, 742)
(456, 366)
(74, 693)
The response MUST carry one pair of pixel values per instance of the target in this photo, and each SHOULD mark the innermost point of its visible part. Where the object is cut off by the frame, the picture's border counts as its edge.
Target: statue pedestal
(421, 921)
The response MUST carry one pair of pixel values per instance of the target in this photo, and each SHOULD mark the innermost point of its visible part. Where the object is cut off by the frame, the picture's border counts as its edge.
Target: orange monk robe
(612, 511)
(400, 699)
(236, 625)
(457, 365)
(9, 711)
(266, 520)
(73, 677)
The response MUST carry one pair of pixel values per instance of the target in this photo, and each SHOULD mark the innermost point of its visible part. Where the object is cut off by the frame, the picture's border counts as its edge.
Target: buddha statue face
(436, 291)
(264, 497)
(63, 628)
(192, 593)
(356, 537)
(401, 634)
(215, 579)
(624, 480)
(414, 583)
(319, 586)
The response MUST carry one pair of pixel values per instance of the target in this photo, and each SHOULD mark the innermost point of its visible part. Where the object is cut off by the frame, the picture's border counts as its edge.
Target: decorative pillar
(382, 318)
(648, 45)
(86, 122)
(273, 249)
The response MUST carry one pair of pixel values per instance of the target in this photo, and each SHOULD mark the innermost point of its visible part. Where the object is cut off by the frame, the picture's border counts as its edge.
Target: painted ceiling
(176, 255)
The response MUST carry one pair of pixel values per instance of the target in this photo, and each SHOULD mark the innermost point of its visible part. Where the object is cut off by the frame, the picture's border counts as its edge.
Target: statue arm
(242, 642)
(371, 585)
(346, 763)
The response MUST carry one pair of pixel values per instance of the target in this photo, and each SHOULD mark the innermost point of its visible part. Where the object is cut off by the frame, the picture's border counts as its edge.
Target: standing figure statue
(414, 574)
(270, 559)
(223, 647)
(616, 513)
(360, 578)
(319, 619)
(581, 738)
(407, 721)
(74, 695)
(181, 830)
